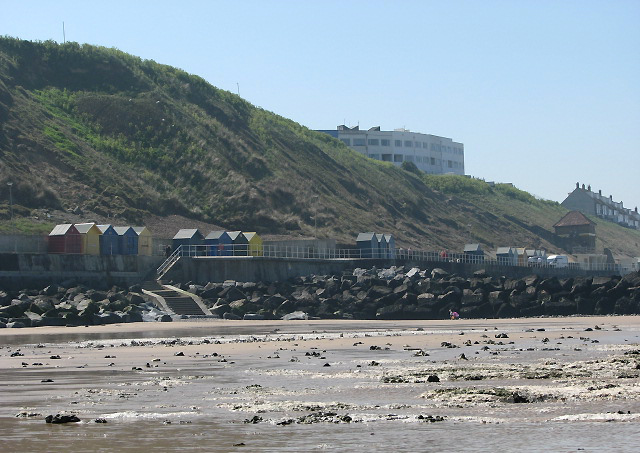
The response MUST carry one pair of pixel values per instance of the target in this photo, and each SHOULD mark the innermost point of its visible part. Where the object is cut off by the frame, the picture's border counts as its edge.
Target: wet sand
(542, 384)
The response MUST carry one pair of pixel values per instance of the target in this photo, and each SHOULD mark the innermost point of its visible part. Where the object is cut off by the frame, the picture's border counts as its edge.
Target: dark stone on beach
(59, 418)
(15, 325)
(253, 420)
(433, 378)
(516, 398)
(253, 317)
(165, 318)
(100, 420)
(231, 316)
(51, 321)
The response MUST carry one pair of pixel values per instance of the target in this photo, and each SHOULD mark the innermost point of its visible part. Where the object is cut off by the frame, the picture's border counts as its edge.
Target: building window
(387, 157)
(375, 156)
(418, 144)
(449, 163)
(398, 143)
(346, 141)
(425, 145)
(385, 142)
(433, 161)
(373, 142)
(419, 159)
(408, 143)
(397, 157)
(358, 142)
(408, 158)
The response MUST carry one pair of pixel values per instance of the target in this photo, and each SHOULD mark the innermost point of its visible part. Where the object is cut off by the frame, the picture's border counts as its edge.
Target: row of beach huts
(93, 239)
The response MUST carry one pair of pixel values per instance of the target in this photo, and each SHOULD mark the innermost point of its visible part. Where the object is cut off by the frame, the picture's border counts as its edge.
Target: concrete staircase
(174, 300)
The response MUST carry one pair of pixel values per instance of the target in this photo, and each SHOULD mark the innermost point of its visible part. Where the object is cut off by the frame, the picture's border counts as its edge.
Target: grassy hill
(101, 135)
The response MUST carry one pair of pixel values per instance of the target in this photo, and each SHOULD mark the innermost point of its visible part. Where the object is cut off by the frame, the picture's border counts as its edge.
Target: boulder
(562, 307)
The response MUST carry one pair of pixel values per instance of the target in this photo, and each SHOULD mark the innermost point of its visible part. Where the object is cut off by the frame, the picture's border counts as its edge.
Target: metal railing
(293, 252)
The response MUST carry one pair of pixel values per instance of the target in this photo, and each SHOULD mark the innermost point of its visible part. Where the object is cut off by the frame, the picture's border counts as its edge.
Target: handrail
(170, 261)
(313, 253)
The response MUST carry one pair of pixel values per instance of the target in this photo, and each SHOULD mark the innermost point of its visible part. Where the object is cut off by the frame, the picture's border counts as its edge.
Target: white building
(431, 153)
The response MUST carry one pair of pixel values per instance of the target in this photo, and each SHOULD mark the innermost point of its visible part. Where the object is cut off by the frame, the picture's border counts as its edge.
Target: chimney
(611, 197)
(636, 209)
(600, 192)
(577, 185)
(583, 187)
(589, 187)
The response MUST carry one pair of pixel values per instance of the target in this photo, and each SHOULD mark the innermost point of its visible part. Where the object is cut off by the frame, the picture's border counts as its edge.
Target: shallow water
(200, 402)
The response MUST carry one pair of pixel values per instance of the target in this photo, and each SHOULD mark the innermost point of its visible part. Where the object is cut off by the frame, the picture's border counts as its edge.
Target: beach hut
(219, 244)
(109, 242)
(391, 246)
(507, 256)
(473, 253)
(90, 238)
(145, 240)
(64, 238)
(240, 243)
(191, 241)
(255, 243)
(127, 240)
(367, 243)
(382, 246)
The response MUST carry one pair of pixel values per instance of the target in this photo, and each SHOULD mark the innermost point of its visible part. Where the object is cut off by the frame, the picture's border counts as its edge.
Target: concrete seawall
(32, 270)
(202, 270)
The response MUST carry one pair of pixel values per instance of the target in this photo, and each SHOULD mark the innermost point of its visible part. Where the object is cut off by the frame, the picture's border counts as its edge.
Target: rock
(433, 378)
(295, 316)
(253, 317)
(231, 316)
(439, 273)
(60, 418)
(165, 318)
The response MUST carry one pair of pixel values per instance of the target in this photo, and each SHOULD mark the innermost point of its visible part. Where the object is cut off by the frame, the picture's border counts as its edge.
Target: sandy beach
(537, 384)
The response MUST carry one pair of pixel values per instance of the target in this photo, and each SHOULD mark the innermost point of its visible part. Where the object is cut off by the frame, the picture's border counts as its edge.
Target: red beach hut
(65, 238)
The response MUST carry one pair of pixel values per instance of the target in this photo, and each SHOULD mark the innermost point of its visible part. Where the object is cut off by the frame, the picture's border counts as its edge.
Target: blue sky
(542, 93)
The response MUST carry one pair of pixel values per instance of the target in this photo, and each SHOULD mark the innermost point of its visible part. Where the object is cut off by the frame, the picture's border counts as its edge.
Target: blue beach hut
(391, 246)
(219, 244)
(367, 243)
(127, 240)
(240, 243)
(109, 242)
(382, 245)
(191, 241)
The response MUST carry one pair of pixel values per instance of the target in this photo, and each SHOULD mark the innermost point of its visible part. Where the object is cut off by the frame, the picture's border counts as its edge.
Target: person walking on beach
(454, 314)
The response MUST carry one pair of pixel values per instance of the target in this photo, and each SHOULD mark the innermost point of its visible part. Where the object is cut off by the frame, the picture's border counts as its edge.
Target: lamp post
(315, 216)
(10, 184)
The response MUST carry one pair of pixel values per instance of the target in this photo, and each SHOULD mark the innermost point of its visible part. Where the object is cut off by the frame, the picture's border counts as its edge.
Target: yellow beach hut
(255, 244)
(90, 235)
(145, 241)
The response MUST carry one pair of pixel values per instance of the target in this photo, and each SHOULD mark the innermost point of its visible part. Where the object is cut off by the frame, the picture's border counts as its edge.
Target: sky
(542, 93)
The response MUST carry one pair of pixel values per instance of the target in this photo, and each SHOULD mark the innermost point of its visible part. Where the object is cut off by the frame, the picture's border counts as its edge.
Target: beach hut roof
(249, 235)
(103, 228)
(139, 229)
(234, 234)
(504, 251)
(472, 248)
(60, 230)
(187, 233)
(216, 234)
(122, 230)
(365, 237)
(83, 228)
